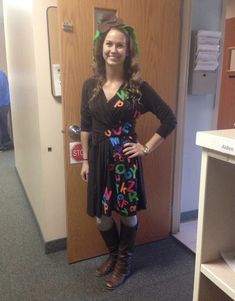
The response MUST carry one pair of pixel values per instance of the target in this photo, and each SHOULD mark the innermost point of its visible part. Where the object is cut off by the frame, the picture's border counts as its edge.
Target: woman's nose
(114, 48)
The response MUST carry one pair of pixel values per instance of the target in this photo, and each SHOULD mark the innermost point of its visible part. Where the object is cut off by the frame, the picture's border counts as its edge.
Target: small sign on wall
(56, 79)
(76, 153)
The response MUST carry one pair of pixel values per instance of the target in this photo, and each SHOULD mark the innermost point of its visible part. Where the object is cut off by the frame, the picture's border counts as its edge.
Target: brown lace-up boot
(125, 252)
(111, 239)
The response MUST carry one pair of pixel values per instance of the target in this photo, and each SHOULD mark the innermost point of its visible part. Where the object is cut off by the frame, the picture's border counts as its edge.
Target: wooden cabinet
(226, 114)
(214, 279)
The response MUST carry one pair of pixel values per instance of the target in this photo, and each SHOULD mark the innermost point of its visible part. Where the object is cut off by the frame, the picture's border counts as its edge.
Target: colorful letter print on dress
(115, 182)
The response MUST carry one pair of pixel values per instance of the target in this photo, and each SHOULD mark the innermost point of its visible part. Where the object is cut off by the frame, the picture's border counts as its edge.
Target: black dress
(114, 181)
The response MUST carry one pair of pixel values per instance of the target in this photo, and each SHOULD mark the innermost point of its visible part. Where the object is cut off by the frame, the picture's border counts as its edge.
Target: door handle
(74, 132)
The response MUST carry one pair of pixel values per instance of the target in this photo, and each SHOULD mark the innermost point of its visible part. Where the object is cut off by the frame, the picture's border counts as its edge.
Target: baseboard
(188, 216)
(49, 246)
(55, 245)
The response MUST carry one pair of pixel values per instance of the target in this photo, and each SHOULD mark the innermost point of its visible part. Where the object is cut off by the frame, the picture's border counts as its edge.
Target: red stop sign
(76, 152)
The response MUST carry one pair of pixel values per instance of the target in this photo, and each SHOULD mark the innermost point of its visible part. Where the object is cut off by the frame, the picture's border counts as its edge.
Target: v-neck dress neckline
(114, 96)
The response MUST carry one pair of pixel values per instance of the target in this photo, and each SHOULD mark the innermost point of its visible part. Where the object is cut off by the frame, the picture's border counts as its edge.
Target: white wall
(36, 116)
(206, 14)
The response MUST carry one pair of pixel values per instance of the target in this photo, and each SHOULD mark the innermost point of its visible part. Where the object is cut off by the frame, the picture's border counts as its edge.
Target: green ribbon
(97, 35)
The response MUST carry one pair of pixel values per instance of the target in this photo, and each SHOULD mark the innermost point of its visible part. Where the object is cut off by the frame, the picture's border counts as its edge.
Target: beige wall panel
(37, 117)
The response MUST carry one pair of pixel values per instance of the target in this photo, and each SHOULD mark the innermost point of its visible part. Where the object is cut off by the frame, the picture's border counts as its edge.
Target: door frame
(182, 98)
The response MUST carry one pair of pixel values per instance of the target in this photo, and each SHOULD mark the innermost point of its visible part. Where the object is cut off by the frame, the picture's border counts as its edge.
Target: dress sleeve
(86, 120)
(152, 102)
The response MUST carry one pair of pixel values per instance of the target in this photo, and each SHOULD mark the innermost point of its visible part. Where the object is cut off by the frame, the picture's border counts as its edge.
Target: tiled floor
(187, 234)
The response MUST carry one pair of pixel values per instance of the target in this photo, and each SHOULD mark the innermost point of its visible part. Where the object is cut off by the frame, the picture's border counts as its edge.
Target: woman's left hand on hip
(133, 149)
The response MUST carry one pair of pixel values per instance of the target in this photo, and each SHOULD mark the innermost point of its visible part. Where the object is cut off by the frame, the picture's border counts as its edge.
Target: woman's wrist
(146, 150)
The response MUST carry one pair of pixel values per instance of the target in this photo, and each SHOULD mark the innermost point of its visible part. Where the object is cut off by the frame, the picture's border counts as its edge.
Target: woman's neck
(114, 74)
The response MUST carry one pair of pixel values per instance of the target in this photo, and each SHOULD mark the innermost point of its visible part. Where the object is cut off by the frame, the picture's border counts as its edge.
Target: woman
(5, 139)
(112, 100)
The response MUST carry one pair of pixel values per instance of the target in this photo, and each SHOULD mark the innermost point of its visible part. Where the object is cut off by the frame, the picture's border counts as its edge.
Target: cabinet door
(226, 117)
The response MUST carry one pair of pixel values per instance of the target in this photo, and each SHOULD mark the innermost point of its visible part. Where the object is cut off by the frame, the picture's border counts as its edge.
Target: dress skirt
(114, 182)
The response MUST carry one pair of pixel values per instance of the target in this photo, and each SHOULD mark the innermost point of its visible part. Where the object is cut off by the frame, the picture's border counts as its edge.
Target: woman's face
(115, 48)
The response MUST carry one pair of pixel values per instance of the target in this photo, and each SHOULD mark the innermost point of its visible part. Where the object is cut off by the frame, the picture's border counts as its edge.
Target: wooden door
(226, 116)
(157, 23)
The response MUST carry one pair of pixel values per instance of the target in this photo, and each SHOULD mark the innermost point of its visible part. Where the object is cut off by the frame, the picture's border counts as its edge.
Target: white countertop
(220, 140)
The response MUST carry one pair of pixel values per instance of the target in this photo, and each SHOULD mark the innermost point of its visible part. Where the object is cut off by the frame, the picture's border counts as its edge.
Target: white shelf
(221, 275)
(214, 279)
(222, 141)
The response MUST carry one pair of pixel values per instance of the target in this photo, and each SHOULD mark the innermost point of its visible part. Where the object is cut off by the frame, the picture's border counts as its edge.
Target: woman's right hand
(85, 171)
